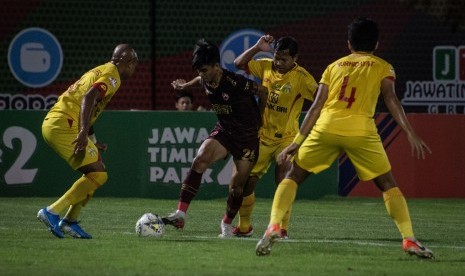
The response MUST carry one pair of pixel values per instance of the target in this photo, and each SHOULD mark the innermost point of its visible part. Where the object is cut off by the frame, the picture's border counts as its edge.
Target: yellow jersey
(104, 77)
(354, 83)
(286, 94)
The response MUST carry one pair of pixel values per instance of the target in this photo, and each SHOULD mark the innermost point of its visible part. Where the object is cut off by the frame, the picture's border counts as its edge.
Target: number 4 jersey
(354, 83)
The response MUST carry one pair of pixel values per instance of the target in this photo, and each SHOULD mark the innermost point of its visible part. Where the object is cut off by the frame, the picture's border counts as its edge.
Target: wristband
(299, 139)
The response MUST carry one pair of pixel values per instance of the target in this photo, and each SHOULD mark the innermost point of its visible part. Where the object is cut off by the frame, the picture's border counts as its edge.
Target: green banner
(149, 154)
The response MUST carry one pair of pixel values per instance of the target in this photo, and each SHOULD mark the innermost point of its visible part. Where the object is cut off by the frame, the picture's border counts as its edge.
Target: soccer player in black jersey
(232, 97)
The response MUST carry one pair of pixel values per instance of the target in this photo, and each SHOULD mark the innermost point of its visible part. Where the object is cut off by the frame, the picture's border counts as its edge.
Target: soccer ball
(150, 225)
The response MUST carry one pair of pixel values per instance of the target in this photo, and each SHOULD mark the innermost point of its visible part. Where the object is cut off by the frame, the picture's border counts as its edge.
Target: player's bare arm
(181, 84)
(307, 125)
(263, 44)
(417, 145)
(87, 105)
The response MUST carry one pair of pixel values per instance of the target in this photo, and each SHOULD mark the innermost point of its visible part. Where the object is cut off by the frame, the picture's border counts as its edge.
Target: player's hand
(178, 84)
(80, 143)
(264, 43)
(418, 146)
(288, 153)
(101, 146)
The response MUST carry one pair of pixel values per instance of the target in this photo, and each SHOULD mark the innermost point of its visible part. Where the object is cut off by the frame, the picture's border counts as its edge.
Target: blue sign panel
(35, 57)
(236, 43)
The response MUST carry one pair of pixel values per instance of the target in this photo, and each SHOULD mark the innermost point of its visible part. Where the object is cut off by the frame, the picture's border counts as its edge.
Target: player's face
(208, 73)
(283, 62)
(184, 104)
(129, 69)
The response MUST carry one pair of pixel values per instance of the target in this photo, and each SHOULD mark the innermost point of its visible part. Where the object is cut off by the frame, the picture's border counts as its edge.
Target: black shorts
(245, 147)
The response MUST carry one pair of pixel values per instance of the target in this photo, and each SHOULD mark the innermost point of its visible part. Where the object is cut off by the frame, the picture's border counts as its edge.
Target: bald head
(125, 58)
(123, 53)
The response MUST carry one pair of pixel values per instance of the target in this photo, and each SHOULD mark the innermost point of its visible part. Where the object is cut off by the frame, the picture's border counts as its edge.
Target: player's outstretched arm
(181, 84)
(263, 44)
(417, 145)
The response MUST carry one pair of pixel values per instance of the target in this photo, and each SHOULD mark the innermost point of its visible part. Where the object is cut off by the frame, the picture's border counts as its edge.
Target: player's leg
(284, 197)
(70, 225)
(210, 151)
(280, 171)
(240, 174)
(244, 227)
(59, 134)
(317, 153)
(370, 160)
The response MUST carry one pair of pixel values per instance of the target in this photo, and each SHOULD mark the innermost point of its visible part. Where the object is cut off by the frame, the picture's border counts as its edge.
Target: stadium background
(163, 32)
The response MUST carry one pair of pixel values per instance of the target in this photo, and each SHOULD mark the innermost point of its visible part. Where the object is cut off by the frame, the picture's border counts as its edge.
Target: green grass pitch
(331, 236)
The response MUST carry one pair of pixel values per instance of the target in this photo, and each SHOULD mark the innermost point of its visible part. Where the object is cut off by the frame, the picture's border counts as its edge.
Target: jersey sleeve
(310, 87)
(388, 72)
(326, 76)
(256, 67)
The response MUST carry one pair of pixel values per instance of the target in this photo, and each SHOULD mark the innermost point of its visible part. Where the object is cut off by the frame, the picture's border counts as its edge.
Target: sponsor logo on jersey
(113, 81)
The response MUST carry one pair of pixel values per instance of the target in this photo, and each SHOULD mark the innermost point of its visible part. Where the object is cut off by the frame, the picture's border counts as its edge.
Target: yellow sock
(396, 207)
(245, 212)
(73, 212)
(75, 209)
(286, 218)
(84, 186)
(283, 199)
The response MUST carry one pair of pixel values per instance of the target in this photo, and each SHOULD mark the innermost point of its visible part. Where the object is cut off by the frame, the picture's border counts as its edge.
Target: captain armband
(299, 139)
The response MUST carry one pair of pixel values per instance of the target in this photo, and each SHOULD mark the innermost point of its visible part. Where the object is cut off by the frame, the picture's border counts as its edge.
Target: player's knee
(98, 178)
(236, 192)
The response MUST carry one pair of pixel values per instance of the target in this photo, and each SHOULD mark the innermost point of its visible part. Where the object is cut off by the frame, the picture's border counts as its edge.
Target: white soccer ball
(150, 225)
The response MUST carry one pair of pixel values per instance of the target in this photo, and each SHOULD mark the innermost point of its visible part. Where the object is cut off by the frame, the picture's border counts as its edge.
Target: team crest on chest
(225, 96)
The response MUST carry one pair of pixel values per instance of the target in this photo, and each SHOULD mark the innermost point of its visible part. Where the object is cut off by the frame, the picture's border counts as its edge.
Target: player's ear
(376, 47)
(349, 45)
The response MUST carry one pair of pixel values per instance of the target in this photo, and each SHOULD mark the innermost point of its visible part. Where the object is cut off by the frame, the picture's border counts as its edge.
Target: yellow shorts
(267, 154)
(59, 133)
(366, 153)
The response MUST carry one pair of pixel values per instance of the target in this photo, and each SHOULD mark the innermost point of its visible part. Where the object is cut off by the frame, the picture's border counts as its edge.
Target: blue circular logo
(35, 57)
(236, 43)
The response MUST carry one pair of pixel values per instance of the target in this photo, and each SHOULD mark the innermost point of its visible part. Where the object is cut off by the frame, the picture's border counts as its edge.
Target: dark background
(163, 32)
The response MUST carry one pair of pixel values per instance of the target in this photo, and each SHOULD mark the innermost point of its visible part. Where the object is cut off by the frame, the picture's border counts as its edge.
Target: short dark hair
(363, 34)
(205, 53)
(182, 94)
(287, 43)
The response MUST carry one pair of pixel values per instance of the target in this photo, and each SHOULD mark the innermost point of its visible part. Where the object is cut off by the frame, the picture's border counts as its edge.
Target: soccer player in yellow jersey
(341, 119)
(289, 85)
(67, 129)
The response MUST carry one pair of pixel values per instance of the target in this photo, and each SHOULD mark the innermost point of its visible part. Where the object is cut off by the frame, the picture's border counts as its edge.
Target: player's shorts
(59, 133)
(366, 153)
(241, 148)
(268, 154)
